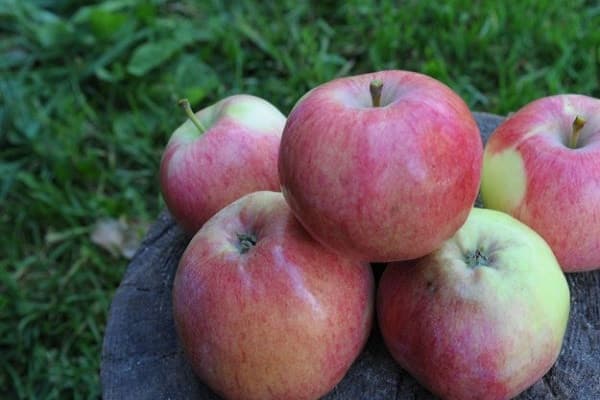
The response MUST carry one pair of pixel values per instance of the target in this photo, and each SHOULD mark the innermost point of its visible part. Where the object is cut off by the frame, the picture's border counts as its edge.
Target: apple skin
(530, 173)
(236, 155)
(381, 183)
(484, 332)
(284, 320)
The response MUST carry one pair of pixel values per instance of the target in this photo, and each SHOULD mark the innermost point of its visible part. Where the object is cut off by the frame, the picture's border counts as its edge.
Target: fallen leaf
(118, 236)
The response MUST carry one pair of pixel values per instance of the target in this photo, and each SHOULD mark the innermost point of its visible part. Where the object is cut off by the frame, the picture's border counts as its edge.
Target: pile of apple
(274, 297)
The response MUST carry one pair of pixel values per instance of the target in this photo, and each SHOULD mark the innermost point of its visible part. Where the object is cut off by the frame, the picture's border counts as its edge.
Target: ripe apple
(221, 153)
(264, 311)
(483, 317)
(381, 166)
(542, 166)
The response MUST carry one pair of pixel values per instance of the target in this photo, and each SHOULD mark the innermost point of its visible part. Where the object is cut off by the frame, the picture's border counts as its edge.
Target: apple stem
(246, 242)
(188, 110)
(578, 123)
(375, 88)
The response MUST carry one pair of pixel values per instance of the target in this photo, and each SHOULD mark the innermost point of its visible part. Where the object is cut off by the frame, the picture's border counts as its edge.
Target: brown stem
(375, 88)
(188, 110)
(578, 123)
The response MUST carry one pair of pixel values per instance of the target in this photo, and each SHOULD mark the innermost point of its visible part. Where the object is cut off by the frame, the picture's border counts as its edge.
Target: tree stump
(142, 359)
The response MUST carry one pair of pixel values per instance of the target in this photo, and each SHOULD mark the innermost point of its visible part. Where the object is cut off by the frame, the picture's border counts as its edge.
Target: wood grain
(141, 357)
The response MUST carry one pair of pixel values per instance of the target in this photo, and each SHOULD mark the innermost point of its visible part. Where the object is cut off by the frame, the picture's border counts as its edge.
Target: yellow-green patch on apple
(504, 180)
(258, 116)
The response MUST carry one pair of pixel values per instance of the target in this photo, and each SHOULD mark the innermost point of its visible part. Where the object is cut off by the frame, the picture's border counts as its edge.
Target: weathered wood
(141, 357)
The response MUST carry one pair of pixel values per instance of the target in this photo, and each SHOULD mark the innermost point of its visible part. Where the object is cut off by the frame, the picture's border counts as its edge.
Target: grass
(88, 100)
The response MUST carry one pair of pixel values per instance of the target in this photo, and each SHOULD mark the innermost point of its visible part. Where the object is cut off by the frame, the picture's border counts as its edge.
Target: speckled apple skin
(381, 183)
(236, 155)
(284, 320)
(477, 333)
(531, 173)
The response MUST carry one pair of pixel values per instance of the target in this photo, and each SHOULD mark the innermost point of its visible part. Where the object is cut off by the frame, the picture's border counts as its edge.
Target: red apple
(542, 166)
(381, 166)
(265, 312)
(483, 317)
(220, 154)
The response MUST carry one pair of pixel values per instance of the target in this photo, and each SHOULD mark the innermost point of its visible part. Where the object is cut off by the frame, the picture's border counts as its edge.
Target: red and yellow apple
(221, 153)
(542, 166)
(381, 166)
(483, 317)
(264, 311)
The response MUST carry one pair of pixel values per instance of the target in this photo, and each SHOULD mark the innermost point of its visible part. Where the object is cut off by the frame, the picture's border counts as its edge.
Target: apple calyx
(578, 123)
(245, 242)
(477, 258)
(375, 88)
(188, 110)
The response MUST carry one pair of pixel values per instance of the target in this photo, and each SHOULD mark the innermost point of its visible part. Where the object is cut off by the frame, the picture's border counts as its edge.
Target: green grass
(88, 100)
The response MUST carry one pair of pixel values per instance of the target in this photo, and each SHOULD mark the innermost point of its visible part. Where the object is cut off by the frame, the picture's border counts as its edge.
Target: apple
(219, 154)
(264, 311)
(381, 166)
(542, 166)
(482, 317)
